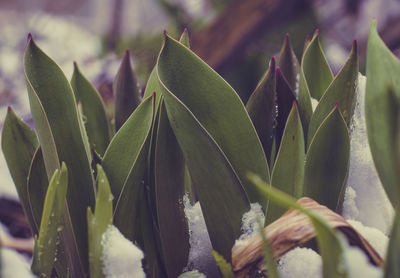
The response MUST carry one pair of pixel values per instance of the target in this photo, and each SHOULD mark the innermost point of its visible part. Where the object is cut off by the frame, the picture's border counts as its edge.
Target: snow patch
(375, 237)
(314, 103)
(122, 259)
(200, 255)
(368, 203)
(250, 222)
(357, 264)
(300, 262)
(14, 265)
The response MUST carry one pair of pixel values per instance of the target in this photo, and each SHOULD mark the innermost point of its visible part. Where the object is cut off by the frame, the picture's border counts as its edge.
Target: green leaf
(170, 189)
(56, 119)
(392, 267)
(331, 245)
(284, 98)
(98, 223)
(18, 143)
(341, 90)
(224, 267)
(288, 172)
(383, 71)
(327, 162)
(153, 86)
(288, 64)
(36, 188)
(125, 162)
(46, 244)
(199, 134)
(93, 111)
(317, 73)
(262, 110)
(184, 39)
(270, 263)
(126, 92)
(186, 80)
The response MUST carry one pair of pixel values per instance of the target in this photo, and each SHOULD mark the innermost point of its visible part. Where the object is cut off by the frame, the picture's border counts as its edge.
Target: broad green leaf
(341, 90)
(153, 86)
(93, 111)
(55, 114)
(331, 245)
(288, 64)
(269, 260)
(18, 143)
(126, 92)
(220, 192)
(170, 189)
(125, 162)
(184, 39)
(317, 73)
(225, 268)
(288, 172)
(262, 110)
(189, 83)
(327, 162)
(192, 274)
(149, 237)
(383, 71)
(37, 184)
(284, 99)
(46, 244)
(98, 223)
(392, 267)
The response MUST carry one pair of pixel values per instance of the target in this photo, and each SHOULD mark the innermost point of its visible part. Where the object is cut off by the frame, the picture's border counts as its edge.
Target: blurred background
(235, 37)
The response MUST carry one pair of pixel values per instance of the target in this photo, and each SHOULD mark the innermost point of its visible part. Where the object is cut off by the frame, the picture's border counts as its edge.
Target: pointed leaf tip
(165, 32)
(127, 53)
(154, 94)
(336, 104)
(278, 69)
(316, 32)
(294, 102)
(9, 108)
(185, 30)
(29, 37)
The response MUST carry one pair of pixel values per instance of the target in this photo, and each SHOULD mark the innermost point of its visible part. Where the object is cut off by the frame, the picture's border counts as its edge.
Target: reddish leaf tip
(165, 32)
(307, 37)
(185, 30)
(9, 108)
(154, 94)
(127, 52)
(75, 64)
(336, 104)
(79, 103)
(29, 37)
(316, 32)
(287, 35)
(278, 69)
(294, 102)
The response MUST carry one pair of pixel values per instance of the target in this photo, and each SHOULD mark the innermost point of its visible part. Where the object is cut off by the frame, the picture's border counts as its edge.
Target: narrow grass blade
(225, 268)
(51, 223)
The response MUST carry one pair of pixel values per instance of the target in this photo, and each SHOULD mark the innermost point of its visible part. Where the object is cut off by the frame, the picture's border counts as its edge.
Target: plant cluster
(191, 134)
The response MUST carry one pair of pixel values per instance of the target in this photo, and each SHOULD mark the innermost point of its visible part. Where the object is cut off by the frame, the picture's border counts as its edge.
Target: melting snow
(300, 262)
(365, 198)
(200, 255)
(250, 223)
(122, 259)
(314, 103)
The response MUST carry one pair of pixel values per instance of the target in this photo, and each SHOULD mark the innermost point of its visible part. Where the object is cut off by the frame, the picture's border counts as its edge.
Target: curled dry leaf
(291, 230)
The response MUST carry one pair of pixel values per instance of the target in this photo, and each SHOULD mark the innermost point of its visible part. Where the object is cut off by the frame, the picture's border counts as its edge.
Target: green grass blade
(327, 162)
(18, 143)
(126, 92)
(269, 260)
(93, 110)
(329, 242)
(186, 79)
(383, 71)
(98, 223)
(51, 223)
(392, 267)
(170, 189)
(262, 111)
(225, 268)
(288, 172)
(341, 90)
